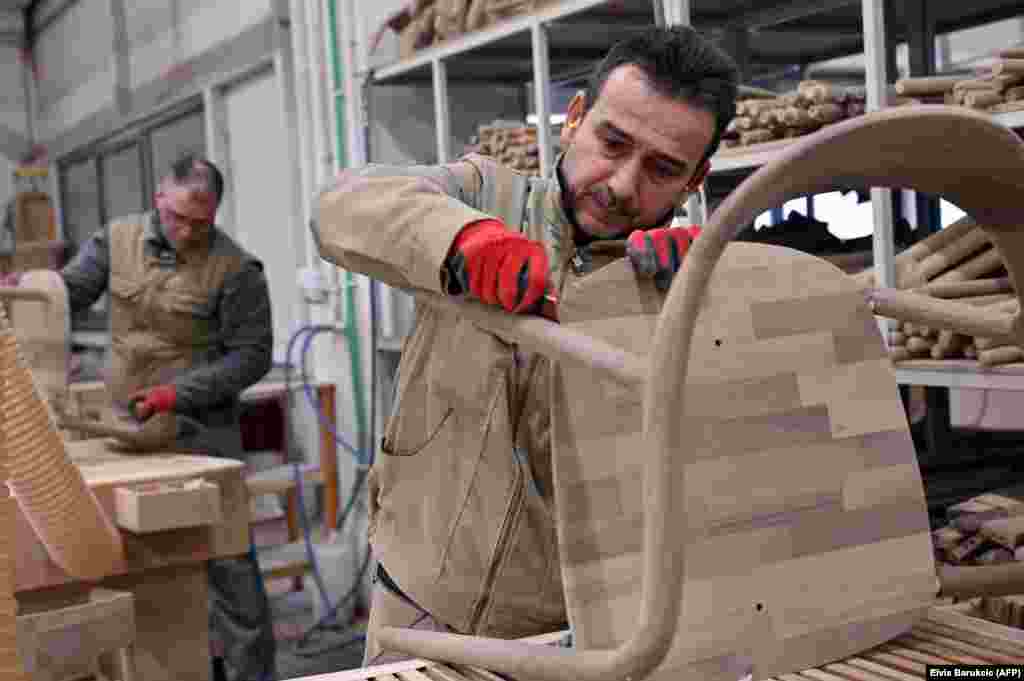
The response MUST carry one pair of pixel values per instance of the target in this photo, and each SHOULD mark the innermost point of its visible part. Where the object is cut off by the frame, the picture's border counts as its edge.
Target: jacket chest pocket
(471, 365)
(184, 315)
(125, 297)
(448, 366)
(166, 305)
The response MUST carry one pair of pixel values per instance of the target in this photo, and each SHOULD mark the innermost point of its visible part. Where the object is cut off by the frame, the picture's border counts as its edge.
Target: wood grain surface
(104, 471)
(810, 535)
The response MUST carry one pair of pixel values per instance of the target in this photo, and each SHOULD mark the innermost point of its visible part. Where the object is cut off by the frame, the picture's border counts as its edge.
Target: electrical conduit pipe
(350, 328)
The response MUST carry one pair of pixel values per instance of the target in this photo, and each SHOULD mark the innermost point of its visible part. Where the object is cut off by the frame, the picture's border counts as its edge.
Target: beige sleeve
(396, 223)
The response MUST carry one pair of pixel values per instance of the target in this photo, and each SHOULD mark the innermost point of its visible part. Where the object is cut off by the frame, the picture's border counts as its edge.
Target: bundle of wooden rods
(812, 105)
(957, 263)
(510, 143)
(998, 88)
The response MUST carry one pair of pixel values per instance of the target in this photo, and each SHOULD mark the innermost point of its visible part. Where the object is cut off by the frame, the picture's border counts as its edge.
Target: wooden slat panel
(992, 647)
(901, 658)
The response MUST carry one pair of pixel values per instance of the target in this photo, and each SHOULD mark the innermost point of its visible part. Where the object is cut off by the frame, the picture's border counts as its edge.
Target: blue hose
(310, 331)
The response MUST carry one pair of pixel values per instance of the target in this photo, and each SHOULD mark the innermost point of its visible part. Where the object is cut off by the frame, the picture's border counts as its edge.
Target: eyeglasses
(193, 223)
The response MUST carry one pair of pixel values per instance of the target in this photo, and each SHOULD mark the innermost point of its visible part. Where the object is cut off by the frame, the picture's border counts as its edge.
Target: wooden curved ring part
(78, 534)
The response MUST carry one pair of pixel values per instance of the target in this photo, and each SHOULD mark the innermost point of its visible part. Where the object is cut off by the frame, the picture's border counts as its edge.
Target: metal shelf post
(881, 198)
(441, 112)
(542, 92)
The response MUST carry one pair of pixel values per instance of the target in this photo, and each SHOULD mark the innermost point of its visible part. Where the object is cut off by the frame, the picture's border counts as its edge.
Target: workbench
(165, 570)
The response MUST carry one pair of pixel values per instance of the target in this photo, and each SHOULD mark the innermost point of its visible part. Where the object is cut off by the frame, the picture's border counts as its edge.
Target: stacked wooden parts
(998, 89)
(957, 263)
(1005, 610)
(813, 105)
(512, 144)
(435, 21)
(984, 530)
(35, 235)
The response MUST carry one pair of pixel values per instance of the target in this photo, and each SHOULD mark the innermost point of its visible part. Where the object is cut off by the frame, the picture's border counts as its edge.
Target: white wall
(157, 36)
(12, 115)
(13, 109)
(76, 82)
(257, 160)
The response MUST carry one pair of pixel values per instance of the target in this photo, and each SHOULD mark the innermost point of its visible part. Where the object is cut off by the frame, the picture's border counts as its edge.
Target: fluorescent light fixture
(556, 119)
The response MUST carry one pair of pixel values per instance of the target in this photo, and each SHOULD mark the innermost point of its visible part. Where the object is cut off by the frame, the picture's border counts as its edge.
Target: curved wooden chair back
(807, 534)
(822, 524)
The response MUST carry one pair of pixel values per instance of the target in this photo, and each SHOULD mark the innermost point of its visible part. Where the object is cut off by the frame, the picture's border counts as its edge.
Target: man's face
(633, 156)
(186, 212)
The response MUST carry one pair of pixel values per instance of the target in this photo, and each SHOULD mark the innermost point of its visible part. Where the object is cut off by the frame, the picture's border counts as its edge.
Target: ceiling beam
(787, 12)
(45, 13)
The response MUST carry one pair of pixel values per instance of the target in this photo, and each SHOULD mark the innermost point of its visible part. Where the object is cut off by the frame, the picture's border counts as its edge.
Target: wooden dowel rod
(1005, 355)
(23, 293)
(547, 337)
(944, 314)
(989, 580)
(926, 85)
(975, 268)
(963, 289)
(953, 253)
(919, 346)
(1008, 66)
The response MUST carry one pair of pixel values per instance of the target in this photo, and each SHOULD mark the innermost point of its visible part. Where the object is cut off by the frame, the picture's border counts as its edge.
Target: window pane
(184, 135)
(122, 183)
(80, 211)
(949, 213)
(80, 201)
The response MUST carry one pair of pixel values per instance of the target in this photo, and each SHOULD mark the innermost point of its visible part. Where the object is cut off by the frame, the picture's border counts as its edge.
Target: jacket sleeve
(87, 275)
(397, 223)
(248, 338)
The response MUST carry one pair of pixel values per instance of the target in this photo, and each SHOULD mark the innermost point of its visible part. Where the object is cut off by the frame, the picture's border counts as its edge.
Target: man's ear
(573, 117)
(698, 177)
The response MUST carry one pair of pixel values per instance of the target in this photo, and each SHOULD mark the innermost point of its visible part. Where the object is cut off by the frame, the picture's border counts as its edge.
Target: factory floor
(323, 651)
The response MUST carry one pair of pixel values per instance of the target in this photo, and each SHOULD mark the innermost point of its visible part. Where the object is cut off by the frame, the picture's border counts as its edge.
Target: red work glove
(157, 400)
(499, 267)
(659, 252)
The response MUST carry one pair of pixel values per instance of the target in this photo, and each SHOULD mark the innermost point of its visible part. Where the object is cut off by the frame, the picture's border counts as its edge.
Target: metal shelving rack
(521, 49)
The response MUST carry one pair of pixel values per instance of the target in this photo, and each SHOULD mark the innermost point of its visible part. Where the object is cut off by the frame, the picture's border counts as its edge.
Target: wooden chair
(737, 491)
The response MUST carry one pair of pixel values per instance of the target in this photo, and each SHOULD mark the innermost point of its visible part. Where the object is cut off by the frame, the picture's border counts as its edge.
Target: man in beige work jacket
(461, 517)
(190, 327)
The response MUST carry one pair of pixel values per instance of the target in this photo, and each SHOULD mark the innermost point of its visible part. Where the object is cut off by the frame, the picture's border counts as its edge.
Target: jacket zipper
(581, 267)
(501, 550)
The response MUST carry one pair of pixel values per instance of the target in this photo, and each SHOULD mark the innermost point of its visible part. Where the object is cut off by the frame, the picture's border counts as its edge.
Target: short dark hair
(184, 169)
(681, 64)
